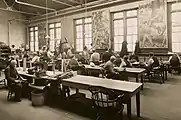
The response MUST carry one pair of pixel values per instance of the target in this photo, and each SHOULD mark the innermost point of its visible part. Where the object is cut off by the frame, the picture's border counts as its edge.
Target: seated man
(95, 57)
(74, 64)
(106, 55)
(109, 68)
(35, 58)
(13, 80)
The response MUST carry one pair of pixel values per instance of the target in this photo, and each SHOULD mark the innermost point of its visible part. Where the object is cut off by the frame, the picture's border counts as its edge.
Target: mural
(101, 29)
(153, 24)
(41, 34)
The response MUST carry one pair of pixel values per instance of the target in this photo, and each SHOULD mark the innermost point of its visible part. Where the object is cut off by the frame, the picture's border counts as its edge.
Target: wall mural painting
(153, 24)
(101, 29)
(42, 34)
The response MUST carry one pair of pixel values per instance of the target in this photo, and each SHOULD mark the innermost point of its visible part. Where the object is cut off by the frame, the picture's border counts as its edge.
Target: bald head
(112, 58)
(13, 63)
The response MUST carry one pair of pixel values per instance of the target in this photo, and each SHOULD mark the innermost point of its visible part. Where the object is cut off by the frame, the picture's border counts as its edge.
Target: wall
(68, 21)
(17, 30)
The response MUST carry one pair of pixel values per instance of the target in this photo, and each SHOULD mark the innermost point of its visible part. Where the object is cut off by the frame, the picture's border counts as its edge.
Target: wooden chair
(158, 71)
(106, 103)
(176, 68)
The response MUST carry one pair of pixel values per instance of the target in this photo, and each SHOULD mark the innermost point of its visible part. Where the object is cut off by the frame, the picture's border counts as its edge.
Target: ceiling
(61, 4)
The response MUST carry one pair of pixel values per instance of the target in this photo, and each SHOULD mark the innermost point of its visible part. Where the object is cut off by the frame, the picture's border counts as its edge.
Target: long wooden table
(128, 88)
(132, 72)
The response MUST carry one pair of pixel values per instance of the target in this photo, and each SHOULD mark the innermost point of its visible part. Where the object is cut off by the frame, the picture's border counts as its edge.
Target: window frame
(54, 28)
(83, 24)
(35, 38)
(175, 26)
(125, 26)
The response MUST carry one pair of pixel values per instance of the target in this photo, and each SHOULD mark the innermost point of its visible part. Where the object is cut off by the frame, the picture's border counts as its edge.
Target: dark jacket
(156, 62)
(11, 75)
(106, 56)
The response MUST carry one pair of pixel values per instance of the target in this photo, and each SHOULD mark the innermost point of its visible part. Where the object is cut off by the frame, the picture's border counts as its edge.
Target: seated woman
(125, 62)
(133, 58)
(118, 61)
(174, 61)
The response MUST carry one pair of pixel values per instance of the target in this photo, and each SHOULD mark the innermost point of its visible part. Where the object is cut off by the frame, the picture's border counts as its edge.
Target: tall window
(118, 31)
(176, 27)
(55, 34)
(83, 30)
(125, 28)
(34, 45)
(131, 20)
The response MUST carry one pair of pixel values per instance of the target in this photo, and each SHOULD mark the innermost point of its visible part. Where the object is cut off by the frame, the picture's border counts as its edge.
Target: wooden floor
(158, 102)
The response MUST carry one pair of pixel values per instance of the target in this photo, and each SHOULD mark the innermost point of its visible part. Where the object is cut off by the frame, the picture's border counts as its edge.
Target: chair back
(104, 98)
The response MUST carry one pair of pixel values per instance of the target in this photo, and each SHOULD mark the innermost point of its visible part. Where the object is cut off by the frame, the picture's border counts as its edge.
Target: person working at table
(174, 61)
(35, 58)
(106, 55)
(13, 80)
(95, 57)
(152, 62)
(109, 68)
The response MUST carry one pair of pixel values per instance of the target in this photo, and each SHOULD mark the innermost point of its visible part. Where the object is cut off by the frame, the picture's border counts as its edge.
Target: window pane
(131, 13)
(79, 47)
(176, 47)
(79, 28)
(176, 6)
(31, 29)
(176, 37)
(118, 15)
(131, 30)
(79, 35)
(117, 47)
(132, 22)
(176, 18)
(31, 46)
(80, 21)
(51, 25)
(52, 34)
(118, 39)
(58, 33)
(36, 28)
(79, 41)
(58, 25)
(36, 46)
(31, 34)
(88, 20)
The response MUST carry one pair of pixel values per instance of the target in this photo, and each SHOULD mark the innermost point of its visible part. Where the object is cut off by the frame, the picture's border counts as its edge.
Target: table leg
(77, 90)
(166, 74)
(129, 108)
(142, 81)
(138, 103)
(137, 78)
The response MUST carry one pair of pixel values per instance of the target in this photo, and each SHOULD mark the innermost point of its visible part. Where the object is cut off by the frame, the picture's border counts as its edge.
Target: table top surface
(49, 74)
(107, 83)
(93, 67)
(131, 70)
